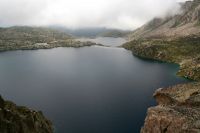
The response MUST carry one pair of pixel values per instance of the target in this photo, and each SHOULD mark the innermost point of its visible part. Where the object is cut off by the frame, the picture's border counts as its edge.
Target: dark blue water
(85, 90)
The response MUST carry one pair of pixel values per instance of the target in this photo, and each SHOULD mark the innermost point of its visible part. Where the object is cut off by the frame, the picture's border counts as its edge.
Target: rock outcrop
(183, 51)
(178, 110)
(17, 119)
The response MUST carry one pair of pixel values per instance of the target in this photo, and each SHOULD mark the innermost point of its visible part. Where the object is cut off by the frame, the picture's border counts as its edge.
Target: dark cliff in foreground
(17, 119)
(173, 39)
(178, 110)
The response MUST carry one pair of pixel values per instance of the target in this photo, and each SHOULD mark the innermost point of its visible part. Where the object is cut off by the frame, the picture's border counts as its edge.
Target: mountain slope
(177, 42)
(184, 24)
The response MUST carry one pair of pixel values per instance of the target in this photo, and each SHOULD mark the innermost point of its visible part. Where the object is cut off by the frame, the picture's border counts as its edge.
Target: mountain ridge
(183, 24)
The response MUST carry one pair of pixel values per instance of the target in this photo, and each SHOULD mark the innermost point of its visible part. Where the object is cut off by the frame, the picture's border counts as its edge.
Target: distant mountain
(186, 23)
(92, 32)
(23, 37)
(114, 33)
(38, 34)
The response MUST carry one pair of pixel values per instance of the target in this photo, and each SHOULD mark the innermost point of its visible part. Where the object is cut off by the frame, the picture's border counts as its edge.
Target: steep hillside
(163, 39)
(18, 119)
(186, 23)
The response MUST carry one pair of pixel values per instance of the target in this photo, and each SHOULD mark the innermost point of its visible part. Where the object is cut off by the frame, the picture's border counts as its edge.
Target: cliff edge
(178, 110)
(17, 119)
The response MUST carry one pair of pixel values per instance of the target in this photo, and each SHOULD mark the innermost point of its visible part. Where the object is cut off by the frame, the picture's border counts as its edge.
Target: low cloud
(121, 14)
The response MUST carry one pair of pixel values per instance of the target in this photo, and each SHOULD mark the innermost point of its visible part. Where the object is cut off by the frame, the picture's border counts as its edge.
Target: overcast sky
(121, 14)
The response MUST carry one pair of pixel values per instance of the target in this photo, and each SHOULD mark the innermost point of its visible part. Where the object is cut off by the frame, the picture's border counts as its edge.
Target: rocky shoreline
(18, 119)
(31, 38)
(178, 108)
(174, 39)
(50, 45)
(182, 51)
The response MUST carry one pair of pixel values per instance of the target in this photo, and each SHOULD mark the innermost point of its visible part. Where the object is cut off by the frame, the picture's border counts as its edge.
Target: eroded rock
(178, 110)
(18, 119)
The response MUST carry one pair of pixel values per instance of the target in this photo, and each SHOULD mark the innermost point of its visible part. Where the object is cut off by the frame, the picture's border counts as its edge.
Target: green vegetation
(18, 119)
(24, 38)
(184, 51)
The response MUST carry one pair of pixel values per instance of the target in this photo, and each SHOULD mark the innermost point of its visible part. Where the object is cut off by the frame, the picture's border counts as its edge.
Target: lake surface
(85, 90)
(107, 41)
